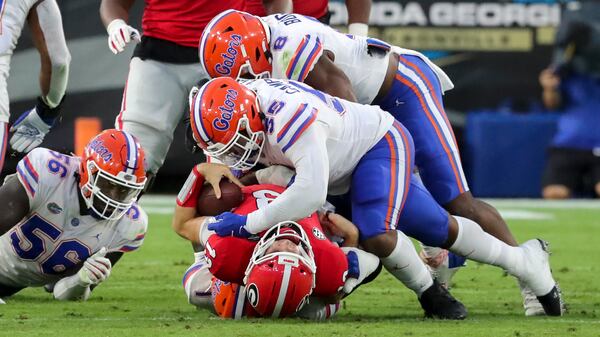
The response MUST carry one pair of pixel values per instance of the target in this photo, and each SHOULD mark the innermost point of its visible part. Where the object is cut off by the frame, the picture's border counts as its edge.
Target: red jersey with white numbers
(182, 21)
(230, 256)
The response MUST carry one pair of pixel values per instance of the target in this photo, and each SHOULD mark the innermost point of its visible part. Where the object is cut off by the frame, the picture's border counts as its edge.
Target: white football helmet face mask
(243, 151)
(110, 197)
(289, 230)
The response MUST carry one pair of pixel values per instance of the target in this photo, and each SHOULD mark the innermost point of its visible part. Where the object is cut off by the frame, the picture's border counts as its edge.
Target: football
(208, 204)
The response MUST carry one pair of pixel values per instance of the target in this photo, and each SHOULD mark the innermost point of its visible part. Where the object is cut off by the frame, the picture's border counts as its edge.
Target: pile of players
(305, 114)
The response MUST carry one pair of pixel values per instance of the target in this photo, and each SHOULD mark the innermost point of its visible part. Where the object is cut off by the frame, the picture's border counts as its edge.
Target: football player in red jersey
(164, 66)
(236, 263)
(358, 12)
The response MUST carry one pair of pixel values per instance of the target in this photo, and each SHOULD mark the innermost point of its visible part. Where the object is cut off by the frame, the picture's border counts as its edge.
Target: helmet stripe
(285, 284)
(198, 122)
(131, 154)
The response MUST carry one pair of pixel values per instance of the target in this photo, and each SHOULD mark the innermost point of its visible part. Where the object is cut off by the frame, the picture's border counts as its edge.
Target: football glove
(120, 34)
(229, 224)
(360, 266)
(96, 268)
(32, 126)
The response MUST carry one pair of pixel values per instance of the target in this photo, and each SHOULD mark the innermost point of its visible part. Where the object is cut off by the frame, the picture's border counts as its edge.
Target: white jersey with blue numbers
(54, 236)
(298, 41)
(322, 137)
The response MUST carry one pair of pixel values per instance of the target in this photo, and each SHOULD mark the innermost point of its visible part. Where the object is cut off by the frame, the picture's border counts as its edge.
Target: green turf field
(144, 296)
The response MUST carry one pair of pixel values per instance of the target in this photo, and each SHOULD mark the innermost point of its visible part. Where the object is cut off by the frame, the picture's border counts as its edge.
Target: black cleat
(438, 303)
(552, 302)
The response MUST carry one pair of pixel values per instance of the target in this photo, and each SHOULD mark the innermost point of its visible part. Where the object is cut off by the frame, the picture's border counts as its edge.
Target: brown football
(208, 204)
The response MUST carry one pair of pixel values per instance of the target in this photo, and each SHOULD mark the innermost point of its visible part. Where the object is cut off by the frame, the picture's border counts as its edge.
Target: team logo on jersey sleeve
(74, 222)
(54, 208)
(318, 234)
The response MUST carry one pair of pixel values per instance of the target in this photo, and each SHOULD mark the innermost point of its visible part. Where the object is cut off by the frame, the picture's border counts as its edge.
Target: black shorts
(578, 170)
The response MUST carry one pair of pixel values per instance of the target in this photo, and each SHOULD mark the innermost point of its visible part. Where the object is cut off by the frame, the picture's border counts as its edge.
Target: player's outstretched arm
(14, 203)
(32, 126)
(327, 77)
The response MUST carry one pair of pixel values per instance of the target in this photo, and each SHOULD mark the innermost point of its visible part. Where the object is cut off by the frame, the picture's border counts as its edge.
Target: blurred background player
(65, 221)
(164, 66)
(571, 85)
(240, 261)
(45, 23)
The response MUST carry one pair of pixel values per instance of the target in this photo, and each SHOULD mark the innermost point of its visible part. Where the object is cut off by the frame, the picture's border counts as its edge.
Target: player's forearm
(305, 195)
(358, 16)
(115, 9)
(71, 289)
(48, 37)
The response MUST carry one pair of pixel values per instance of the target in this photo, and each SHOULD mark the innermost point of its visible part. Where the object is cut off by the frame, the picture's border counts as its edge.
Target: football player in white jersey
(336, 146)
(403, 82)
(65, 220)
(45, 22)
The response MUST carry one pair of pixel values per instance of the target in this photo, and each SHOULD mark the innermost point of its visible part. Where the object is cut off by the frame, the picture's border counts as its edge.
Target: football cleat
(532, 306)
(2, 302)
(439, 303)
(538, 277)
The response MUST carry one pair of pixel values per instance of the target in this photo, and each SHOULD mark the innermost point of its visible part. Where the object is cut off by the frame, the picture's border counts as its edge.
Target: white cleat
(2, 302)
(538, 277)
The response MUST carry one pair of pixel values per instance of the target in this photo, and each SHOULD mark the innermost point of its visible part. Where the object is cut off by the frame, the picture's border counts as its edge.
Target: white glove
(29, 131)
(360, 265)
(120, 34)
(96, 269)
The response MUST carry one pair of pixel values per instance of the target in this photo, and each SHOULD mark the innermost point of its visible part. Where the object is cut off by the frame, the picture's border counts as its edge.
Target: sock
(406, 266)
(475, 244)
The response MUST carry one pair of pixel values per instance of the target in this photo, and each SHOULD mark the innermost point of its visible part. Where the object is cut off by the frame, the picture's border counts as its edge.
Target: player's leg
(423, 219)
(153, 103)
(380, 185)
(416, 101)
(197, 282)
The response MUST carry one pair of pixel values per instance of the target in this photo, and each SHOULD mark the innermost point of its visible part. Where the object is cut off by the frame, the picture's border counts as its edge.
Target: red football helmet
(226, 122)
(112, 173)
(279, 281)
(236, 43)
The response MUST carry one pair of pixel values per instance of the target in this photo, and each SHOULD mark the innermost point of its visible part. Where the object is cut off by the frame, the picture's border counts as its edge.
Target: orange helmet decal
(112, 173)
(235, 43)
(226, 122)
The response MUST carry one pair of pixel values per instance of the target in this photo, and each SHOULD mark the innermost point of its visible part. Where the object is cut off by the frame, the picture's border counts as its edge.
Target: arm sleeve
(51, 24)
(308, 153)
(134, 232)
(188, 195)
(295, 56)
(228, 257)
(332, 268)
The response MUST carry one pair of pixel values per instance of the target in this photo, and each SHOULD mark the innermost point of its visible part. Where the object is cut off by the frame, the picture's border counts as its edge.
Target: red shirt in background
(314, 8)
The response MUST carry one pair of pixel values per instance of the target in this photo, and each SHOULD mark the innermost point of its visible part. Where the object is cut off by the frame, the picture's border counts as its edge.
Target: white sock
(406, 266)
(475, 244)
